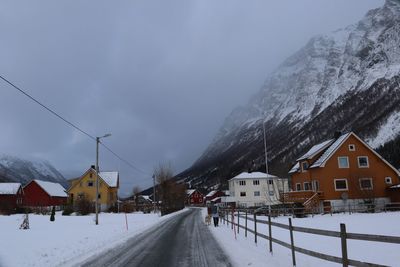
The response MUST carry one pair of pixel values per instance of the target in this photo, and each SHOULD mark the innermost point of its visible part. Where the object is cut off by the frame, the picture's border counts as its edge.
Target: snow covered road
(183, 240)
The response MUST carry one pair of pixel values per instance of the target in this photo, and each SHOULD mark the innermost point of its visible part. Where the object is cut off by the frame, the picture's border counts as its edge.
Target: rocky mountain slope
(13, 169)
(348, 80)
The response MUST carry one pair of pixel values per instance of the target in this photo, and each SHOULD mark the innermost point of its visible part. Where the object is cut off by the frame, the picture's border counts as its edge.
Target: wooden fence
(343, 235)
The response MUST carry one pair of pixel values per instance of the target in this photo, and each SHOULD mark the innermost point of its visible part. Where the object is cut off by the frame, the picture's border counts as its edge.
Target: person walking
(215, 214)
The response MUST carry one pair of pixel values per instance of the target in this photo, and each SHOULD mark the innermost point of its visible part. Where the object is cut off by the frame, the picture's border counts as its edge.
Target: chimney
(337, 134)
(93, 167)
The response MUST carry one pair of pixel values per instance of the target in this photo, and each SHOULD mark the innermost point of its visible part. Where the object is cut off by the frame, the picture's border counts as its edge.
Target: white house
(256, 189)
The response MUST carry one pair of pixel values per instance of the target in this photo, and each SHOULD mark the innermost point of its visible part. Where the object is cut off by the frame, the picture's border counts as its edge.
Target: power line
(71, 124)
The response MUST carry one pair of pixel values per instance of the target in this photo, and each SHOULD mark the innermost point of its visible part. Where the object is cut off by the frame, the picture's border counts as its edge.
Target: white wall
(265, 198)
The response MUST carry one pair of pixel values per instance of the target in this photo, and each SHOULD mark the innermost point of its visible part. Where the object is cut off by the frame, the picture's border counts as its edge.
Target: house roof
(330, 150)
(211, 193)
(321, 161)
(189, 192)
(9, 188)
(254, 175)
(53, 189)
(316, 150)
(111, 178)
(295, 168)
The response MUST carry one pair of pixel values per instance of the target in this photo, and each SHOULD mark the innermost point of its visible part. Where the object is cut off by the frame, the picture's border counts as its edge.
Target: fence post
(245, 226)
(270, 233)
(227, 218)
(238, 223)
(292, 242)
(233, 219)
(343, 237)
(255, 228)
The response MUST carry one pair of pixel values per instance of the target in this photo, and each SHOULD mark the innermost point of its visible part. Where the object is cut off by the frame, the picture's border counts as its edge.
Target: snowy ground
(244, 252)
(69, 240)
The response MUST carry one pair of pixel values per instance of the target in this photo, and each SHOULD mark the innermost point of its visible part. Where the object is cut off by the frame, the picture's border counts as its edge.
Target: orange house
(340, 173)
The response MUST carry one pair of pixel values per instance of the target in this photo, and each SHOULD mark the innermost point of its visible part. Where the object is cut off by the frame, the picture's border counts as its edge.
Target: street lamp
(97, 175)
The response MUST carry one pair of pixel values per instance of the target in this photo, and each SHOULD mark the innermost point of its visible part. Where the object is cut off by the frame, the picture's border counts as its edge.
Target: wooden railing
(229, 218)
(300, 196)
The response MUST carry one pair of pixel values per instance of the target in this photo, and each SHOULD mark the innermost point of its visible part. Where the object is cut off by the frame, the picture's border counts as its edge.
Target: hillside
(348, 80)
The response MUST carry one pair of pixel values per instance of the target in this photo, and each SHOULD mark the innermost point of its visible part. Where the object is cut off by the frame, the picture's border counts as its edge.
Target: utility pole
(97, 176)
(154, 192)
(97, 179)
(266, 167)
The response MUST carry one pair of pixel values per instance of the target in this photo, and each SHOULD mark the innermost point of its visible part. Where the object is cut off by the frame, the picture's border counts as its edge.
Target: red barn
(39, 193)
(11, 196)
(214, 194)
(194, 197)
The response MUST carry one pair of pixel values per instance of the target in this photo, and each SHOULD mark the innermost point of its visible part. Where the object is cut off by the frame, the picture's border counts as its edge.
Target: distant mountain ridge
(14, 169)
(348, 80)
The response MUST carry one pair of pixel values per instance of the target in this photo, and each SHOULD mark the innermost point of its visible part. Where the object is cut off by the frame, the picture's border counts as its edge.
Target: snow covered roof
(111, 178)
(189, 192)
(315, 150)
(254, 175)
(146, 197)
(295, 168)
(9, 188)
(211, 193)
(330, 151)
(395, 186)
(53, 189)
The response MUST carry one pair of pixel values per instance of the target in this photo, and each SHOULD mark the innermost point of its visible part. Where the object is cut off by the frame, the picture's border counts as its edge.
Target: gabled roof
(315, 150)
(9, 188)
(330, 150)
(110, 178)
(211, 193)
(335, 146)
(295, 168)
(189, 192)
(53, 189)
(254, 175)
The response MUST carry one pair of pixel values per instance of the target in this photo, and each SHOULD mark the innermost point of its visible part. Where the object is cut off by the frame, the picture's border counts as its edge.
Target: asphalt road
(183, 240)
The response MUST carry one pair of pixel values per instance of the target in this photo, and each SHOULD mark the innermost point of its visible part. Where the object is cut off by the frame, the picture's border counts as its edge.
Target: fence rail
(343, 235)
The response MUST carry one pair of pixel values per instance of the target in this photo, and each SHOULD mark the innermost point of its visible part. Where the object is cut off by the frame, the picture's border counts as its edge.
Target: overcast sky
(161, 76)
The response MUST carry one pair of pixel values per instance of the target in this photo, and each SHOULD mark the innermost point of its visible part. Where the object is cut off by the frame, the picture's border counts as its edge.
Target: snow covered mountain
(348, 80)
(14, 169)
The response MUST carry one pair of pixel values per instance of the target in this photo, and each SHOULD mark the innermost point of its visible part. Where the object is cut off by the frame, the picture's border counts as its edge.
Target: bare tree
(136, 193)
(171, 194)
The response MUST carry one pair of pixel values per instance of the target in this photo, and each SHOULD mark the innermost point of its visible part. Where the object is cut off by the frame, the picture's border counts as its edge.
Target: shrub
(53, 214)
(67, 210)
(84, 206)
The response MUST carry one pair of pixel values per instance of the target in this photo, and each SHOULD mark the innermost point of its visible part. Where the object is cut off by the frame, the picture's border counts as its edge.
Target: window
(256, 193)
(271, 182)
(298, 187)
(366, 183)
(242, 194)
(256, 182)
(90, 175)
(340, 184)
(307, 186)
(242, 182)
(388, 180)
(271, 193)
(99, 195)
(352, 147)
(90, 183)
(343, 162)
(315, 185)
(363, 162)
(81, 195)
(304, 166)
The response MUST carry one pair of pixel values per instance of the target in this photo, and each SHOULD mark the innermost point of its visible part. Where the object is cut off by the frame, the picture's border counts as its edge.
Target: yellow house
(85, 187)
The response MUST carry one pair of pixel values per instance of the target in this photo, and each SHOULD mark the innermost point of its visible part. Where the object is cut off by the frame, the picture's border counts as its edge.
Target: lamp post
(97, 175)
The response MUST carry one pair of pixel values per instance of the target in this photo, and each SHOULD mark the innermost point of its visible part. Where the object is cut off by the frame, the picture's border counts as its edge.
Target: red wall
(35, 196)
(196, 198)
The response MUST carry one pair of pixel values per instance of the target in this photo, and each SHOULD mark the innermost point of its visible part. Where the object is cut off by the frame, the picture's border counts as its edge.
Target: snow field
(69, 240)
(244, 252)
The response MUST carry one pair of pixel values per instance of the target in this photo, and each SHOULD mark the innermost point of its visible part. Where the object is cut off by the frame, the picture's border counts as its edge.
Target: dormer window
(304, 166)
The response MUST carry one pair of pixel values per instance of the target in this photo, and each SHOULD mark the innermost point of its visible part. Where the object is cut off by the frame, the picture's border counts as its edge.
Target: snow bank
(244, 252)
(69, 240)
